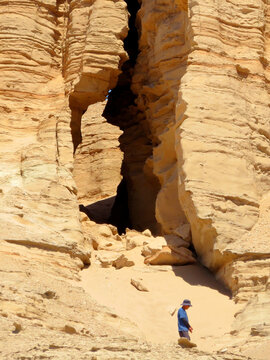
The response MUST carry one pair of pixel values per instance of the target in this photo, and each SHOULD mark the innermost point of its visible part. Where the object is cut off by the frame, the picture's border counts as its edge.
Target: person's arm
(185, 322)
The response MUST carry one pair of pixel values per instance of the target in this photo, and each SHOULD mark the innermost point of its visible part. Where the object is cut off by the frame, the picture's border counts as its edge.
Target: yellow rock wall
(222, 127)
(52, 54)
(202, 80)
(202, 84)
(164, 46)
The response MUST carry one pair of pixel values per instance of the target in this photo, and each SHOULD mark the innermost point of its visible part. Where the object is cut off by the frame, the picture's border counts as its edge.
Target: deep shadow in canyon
(134, 204)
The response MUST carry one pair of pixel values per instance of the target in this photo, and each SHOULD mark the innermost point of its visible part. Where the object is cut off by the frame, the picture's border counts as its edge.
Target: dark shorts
(184, 334)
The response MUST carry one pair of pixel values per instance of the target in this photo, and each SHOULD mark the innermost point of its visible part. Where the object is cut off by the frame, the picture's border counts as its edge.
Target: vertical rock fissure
(165, 44)
(134, 206)
(75, 125)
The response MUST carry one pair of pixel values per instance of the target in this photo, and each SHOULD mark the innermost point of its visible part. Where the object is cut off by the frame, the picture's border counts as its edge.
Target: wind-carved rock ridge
(229, 236)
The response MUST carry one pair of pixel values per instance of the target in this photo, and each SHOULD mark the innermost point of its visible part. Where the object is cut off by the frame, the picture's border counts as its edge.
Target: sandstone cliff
(190, 94)
(202, 81)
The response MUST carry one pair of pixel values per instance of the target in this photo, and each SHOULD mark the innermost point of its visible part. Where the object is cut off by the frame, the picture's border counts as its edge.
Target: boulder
(122, 261)
(153, 245)
(101, 243)
(105, 230)
(110, 258)
(134, 241)
(138, 285)
(147, 232)
(176, 241)
(166, 256)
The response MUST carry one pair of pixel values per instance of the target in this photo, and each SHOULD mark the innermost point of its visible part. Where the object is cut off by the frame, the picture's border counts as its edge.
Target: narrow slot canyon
(138, 190)
(113, 150)
(115, 147)
(134, 175)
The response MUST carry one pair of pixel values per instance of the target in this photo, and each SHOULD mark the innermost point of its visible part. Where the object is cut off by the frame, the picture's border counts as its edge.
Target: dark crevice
(75, 125)
(134, 204)
(99, 211)
(121, 97)
(121, 110)
(118, 113)
(131, 42)
(120, 216)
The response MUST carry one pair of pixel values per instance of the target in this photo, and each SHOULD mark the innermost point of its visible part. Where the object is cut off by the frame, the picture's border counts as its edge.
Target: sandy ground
(211, 315)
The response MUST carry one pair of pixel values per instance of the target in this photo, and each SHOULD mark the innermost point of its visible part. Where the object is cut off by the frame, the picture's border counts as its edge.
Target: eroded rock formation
(192, 101)
(202, 81)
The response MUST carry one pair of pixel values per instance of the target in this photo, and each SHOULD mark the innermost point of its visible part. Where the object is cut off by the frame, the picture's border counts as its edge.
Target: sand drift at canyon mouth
(155, 116)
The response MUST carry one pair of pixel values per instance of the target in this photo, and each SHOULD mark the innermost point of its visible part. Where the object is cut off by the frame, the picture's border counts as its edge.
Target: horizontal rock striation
(222, 140)
(202, 81)
(94, 50)
(201, 78)
(38, 194)
(197, 120)
(222, 133)
(46, 48)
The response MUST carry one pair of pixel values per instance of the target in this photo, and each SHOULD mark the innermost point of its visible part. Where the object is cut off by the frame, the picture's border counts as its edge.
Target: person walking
(183, 324)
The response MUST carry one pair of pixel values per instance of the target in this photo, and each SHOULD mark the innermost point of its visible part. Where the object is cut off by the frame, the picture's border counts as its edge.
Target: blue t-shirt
(182, 315)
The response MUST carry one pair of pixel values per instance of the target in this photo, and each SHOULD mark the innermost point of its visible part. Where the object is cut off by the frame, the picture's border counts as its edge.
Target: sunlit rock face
(38, 195)
(222, 142)
(56, 59)
(164, 46)
(222, 128)
(202, 82)
(98, 158)
(45, 49)
(195, 142)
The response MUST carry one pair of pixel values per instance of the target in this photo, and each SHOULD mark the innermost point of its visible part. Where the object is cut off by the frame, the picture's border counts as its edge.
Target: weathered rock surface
(111, 258)
(224, 177)
(45, 64)
(199, 124)
(94, 49)
(153, 245)
(167, 256)
(202, 82)
(159, 68)
(98, 159)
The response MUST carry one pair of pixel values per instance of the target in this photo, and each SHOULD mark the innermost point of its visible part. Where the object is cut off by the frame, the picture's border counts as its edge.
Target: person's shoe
(185, 343)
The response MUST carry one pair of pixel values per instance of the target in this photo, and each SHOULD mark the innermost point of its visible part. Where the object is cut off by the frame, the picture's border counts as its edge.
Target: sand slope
(211, 315)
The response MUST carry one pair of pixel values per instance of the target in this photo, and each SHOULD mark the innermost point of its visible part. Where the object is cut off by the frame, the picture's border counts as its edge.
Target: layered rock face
(38, 195)
(196, 153)
(206, 102)
(202, 81)
(224, 178)
(98, 158)
(44, 63)
(225, 175)
(160, 66)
